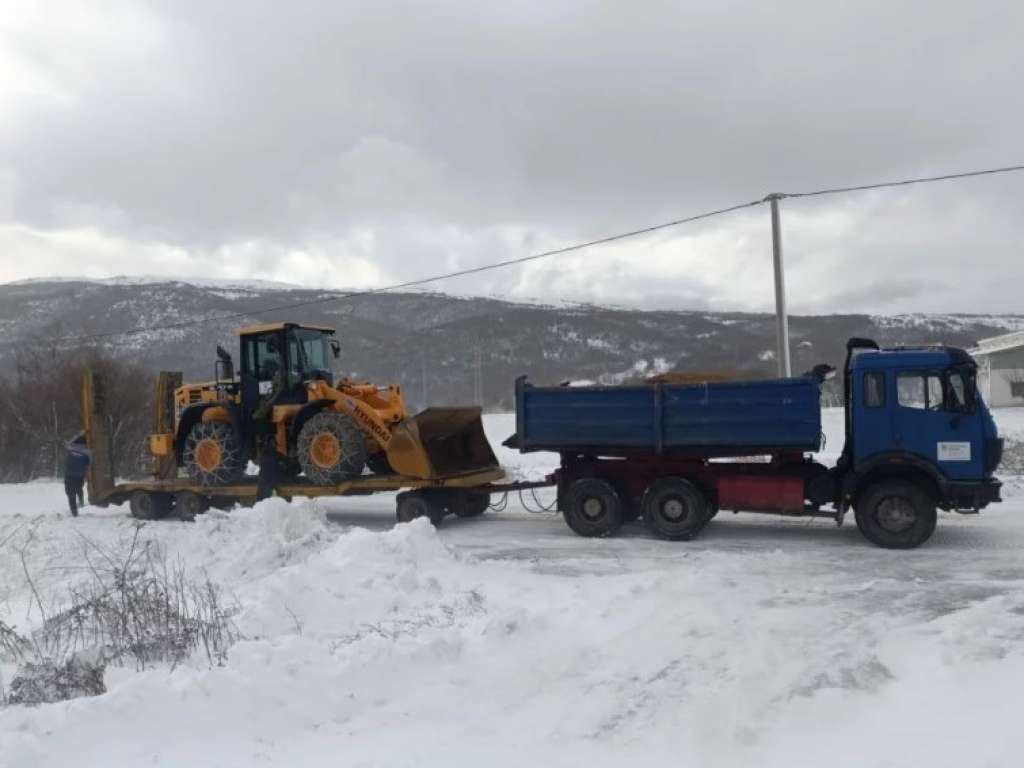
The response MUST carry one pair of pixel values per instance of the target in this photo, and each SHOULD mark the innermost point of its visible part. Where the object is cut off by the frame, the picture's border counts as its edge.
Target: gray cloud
(346, 143)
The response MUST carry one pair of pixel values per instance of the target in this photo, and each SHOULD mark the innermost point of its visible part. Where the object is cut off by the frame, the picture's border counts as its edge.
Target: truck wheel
(593, 508)
(212, 454)
(331, 448)
(472, 504)
(895, 514)
(188, 504)
(675, 509)
(149, 506)
(413, 504)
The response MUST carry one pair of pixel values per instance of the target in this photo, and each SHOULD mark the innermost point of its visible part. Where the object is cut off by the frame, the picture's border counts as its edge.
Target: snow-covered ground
(507, 640)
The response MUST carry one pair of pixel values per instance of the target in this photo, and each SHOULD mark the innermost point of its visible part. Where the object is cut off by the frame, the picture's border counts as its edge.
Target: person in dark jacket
(76, 465)
(270, 470)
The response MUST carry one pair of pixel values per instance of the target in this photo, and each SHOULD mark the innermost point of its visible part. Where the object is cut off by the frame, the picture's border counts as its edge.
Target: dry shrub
(139, 608)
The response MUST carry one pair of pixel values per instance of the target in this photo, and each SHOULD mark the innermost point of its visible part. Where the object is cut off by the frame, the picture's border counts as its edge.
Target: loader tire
(331, 448)
(213, 454)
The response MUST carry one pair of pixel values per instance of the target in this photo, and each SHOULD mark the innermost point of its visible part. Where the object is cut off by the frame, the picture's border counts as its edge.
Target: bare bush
(13, 647)
(141, 608)
(45, 682)
(138, 608)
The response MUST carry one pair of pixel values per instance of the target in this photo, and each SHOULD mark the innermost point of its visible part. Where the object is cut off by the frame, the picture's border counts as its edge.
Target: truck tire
(331, 448)
(213, 454)
(895, 514)
(413, 504)
(145, 505)
(593, 508)
(675, 509)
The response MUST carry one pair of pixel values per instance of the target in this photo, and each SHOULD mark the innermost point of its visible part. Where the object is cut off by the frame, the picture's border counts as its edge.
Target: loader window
(307, 353)
(262, 360)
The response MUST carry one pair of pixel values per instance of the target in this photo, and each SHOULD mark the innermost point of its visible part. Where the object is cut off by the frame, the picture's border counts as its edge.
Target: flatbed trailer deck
(464, 494)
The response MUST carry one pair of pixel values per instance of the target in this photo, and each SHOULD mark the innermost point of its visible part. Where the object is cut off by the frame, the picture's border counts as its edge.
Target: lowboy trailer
(918, 437)
(465, 494)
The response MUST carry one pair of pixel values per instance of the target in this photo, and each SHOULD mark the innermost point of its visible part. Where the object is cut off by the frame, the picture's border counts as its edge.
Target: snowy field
(506, 640)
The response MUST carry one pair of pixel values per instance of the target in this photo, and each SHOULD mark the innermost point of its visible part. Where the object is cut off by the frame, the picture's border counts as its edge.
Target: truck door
(932, 420)
(872, 394)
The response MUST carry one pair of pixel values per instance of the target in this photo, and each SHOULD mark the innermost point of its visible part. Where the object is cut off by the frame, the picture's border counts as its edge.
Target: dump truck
(327, 430)
(918, 437)
(464, 492)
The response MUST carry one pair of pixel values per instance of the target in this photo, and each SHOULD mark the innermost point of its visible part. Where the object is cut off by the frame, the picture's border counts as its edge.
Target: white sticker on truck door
(954, 451)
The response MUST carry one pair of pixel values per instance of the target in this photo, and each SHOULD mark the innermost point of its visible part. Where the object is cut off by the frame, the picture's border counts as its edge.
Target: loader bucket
(440, 442)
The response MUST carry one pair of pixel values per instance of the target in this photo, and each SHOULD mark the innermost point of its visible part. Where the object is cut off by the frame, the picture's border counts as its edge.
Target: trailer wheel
(413, 504)
(895, 514)
(472, 504)
(213, 455)
(331, 448)
(593, 508)
(675, 509)
(188, 504)
(378, 463)
(145, 505)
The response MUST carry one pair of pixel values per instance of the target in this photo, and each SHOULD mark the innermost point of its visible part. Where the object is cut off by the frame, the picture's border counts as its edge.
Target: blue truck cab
(914, 414)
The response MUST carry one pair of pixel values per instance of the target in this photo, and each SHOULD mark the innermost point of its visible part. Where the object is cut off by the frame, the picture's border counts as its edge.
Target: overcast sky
(341, 144)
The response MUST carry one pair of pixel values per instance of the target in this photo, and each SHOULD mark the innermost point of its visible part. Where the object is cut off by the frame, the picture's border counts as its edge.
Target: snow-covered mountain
(432, 344)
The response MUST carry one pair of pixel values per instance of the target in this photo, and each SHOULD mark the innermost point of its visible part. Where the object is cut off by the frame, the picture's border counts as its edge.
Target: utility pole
(478, 380)
(781, 320)
(423, 380)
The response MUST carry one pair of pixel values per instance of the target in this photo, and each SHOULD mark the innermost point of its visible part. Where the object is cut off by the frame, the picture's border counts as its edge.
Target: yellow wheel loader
(329, 431)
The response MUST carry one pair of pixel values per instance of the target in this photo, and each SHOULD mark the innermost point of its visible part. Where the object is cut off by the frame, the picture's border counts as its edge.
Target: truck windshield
(960, 390)
(951, 390)
(307, 352)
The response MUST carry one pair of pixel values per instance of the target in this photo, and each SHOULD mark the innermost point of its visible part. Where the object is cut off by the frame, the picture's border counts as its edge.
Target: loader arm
(437, 442)
(364, 415)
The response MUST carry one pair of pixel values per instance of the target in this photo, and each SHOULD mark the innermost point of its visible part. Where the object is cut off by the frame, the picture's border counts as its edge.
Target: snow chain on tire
(331, 448)
(213, 455)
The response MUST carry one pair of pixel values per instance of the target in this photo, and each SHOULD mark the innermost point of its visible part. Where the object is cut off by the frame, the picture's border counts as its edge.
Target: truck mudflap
(439, 442)
(973, 495)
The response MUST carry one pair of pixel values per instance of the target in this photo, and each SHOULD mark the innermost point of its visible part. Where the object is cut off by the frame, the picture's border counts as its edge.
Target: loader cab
(279, 358)
(919, 406)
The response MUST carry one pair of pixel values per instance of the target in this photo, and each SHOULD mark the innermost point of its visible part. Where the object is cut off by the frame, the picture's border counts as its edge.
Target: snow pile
(506, 640)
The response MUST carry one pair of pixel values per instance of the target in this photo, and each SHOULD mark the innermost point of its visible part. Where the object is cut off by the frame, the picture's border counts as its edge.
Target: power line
(536, 256)
(903, 183)
(417, 282)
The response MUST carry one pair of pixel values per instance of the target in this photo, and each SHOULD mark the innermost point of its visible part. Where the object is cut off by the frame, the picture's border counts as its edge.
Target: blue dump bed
(731, 418)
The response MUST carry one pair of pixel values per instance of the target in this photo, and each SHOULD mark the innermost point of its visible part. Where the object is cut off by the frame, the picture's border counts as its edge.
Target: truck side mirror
(335, 348)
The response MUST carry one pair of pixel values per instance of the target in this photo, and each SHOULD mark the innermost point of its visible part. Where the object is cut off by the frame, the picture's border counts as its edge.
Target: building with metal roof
(1001, 369)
